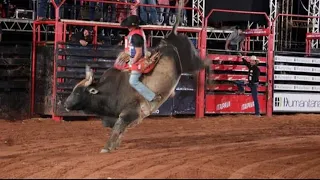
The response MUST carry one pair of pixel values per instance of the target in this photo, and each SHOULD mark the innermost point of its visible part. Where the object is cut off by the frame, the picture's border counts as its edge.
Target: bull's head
(80, 96)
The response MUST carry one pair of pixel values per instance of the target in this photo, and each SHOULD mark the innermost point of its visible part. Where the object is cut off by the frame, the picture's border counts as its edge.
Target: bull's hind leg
(108, 121)
(119, 128)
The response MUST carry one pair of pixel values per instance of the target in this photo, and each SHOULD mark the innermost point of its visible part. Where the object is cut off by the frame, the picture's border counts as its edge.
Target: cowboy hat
(254, 58)
(132, 20)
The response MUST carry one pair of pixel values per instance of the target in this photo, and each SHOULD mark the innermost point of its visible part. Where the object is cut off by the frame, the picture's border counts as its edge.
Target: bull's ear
(93, 91)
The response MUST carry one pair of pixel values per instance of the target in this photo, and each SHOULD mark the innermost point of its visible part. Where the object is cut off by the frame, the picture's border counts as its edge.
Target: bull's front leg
(118, 129)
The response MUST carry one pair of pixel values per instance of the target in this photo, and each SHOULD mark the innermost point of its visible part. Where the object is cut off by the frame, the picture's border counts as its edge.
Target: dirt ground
(217, 147)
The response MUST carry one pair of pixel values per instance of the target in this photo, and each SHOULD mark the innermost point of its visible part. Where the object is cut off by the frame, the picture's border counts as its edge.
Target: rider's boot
(155, 101)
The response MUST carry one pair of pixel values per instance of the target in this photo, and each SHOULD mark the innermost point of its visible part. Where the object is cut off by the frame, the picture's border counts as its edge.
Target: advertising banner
(291, 77)
(301, 60)
(295, 87)
(296, 102)
(305, 69)
(232, 103)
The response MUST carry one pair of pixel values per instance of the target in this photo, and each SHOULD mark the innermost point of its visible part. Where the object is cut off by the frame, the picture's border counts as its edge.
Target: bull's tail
(178, 19)
(207, 66)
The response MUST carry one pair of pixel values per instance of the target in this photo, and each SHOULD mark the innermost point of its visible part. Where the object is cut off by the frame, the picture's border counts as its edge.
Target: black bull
(118, 104)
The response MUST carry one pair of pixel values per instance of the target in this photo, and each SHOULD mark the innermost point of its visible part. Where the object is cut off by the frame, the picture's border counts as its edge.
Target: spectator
(72, 9)
(43, 7)
(163, 15)
(152, 10)
(253, 81)
(84, 37)
(134, 7)
(5, 6)
(109, 12)
(235, 41)
(173, 11)
(122, 11)
(92, 10)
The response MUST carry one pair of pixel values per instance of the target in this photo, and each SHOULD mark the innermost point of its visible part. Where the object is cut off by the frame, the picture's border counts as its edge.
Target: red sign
(231, 103)
(257, 32)
(311, 36)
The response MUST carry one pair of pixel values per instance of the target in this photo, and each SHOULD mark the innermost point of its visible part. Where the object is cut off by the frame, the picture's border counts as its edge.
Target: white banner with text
(296, 102)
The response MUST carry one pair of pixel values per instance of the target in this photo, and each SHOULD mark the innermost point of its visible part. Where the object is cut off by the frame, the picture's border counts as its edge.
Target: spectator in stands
(152, 10)
(109, 16)
(5, 6)
(72, 9)
(253, 81)
(122, 11)
(163, 12)
(83, 37)
(42, 10)
(235, 41)
(133, 9)
(172, 11)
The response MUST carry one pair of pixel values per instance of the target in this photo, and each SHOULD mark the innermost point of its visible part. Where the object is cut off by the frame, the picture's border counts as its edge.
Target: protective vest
(130, 48)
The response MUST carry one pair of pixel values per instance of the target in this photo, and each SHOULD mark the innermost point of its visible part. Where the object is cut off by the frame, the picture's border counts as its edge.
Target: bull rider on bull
(137, 47)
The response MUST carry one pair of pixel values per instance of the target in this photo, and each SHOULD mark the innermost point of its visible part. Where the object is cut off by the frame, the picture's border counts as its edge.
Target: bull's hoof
(104, 151)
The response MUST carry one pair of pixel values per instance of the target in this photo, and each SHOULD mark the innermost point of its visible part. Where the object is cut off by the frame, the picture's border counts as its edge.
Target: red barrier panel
(237, 68)
(228, 70)
(232, 77)
(225, 57)
(218, 103)
(231, 87)
(200, 103)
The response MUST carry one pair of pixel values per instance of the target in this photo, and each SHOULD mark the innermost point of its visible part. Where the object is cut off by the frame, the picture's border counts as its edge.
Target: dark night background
(227, 19)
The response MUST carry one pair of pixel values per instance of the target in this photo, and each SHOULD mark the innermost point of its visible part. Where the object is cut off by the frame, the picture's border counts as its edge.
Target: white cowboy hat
(254, 58)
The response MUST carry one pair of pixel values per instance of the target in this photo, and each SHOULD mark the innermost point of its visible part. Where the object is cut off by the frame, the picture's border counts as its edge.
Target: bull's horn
(89, 76)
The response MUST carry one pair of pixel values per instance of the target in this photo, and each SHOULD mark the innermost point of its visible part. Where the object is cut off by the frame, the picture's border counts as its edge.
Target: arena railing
(60, 36)
(201, 96)
(309, 36)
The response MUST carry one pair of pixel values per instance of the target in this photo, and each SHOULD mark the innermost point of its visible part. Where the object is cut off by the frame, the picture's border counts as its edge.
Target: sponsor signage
(302, 60)
(293, 87)
(257, 32)
(296, 102)
(284, 77)
(297, 68)
(231, 103)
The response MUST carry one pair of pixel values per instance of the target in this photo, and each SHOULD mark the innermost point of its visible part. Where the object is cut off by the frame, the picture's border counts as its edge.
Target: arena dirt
(216, 147)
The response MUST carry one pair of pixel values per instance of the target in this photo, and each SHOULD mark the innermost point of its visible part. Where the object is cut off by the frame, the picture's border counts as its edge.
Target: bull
(118, 104)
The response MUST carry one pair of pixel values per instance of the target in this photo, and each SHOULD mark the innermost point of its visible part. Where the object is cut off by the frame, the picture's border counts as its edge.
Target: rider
(137, 50)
